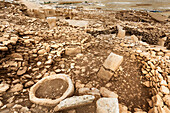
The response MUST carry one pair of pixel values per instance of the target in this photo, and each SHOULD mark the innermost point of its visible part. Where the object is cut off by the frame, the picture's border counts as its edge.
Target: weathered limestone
(71, 51)
(146, 83)
(39, 14)
(137, 110)
(70, 1)
(74, 101)
(161, 110)
(121, 32)
(72, 111)
(123, 109)
(32, 28)
(3, 49)
(29, 83)
(50, 102)
(166, 109)
(140, 112)
(49, 12)
(3, 87)
(15, 39)
(157, 100)
(150, 102)
(107, 105)
(51, 22)
(113, 61)
(80, 23)
(1, 104)
(107, 93)
(164, 90)
(166, 99)
(153, 110)
(161, 41)
(158, 16)
(104, 74)
(134, 38)
(15, 88)
(41, 52)
(89, 91)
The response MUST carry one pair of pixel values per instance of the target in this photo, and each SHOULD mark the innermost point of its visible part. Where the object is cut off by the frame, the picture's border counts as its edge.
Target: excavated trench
(126, 81)
(151, 36)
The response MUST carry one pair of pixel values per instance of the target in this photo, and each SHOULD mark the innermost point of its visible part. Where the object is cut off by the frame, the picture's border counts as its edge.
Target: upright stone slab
(121, 32)
(107, 105)
(104, 74)
(51, 22)
(113, 61)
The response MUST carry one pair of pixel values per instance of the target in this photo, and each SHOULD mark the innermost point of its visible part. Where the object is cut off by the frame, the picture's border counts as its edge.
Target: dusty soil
(52, 89)
(100, 41)
(126, 83)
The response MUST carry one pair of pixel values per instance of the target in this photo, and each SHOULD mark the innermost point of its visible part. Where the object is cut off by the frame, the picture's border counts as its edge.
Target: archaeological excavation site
(77, 60)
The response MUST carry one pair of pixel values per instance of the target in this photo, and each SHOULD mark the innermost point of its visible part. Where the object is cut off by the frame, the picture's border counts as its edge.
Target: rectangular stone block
(121, 32)
(113, 61)
(71, 51)
(80, 23)
(104, 74)
(107, 105)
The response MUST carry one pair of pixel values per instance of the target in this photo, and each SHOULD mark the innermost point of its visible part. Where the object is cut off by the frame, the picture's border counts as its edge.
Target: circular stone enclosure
(50, 90)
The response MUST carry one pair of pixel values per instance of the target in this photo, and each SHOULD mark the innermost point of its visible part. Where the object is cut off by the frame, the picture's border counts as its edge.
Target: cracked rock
(15, 88)
(107, 93)
(74, 102)
(107, 105)
(113, 61)
(104, 74)
(3, 87)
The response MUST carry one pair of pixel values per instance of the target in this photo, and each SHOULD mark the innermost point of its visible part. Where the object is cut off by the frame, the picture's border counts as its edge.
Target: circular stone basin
(50, 90)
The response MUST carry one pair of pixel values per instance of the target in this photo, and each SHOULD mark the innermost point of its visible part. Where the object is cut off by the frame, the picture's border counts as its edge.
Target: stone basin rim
(51, 102)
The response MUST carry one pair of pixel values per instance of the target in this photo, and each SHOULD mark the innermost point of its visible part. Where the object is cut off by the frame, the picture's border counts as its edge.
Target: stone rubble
(155, 69)
(112, 63)
(34, 47)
